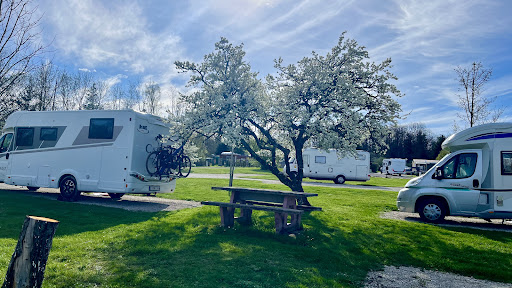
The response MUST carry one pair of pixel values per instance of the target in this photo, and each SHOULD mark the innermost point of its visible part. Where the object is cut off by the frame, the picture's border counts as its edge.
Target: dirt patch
(410, 277)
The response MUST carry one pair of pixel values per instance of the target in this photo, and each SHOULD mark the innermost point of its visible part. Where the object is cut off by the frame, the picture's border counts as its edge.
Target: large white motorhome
(327, 165)
(393, 166)
(474, 180)
(420, 166)
(84, 151)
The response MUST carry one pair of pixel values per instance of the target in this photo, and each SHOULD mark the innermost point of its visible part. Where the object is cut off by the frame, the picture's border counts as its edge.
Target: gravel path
(410, 277)
(128, 202)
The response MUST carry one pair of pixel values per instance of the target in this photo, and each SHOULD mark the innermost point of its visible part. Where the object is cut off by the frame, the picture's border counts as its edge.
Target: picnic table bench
(282, 203)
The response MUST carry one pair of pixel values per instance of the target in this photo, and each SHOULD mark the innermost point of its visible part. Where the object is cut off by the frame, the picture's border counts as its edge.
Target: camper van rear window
(320, 159)
(101, 128)
(25, 137)
(506, 163)
(48, 134)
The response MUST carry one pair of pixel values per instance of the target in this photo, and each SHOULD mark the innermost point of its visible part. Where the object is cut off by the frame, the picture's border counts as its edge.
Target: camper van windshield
(5, 141)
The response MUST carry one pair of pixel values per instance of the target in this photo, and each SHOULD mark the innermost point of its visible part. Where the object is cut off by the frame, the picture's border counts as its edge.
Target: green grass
(225, 170)
(106, 247)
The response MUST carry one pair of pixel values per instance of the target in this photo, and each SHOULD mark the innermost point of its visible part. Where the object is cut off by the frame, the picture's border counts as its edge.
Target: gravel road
(128, 202)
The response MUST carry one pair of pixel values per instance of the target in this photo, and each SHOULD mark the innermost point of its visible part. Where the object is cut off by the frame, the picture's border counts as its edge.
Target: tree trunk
(28, 261)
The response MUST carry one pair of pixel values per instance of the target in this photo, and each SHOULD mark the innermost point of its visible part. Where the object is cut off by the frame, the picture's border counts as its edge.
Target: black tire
(153, 163)
(31, 188)
(116, 196)
(68, 189)
(340, 179)
(185, 166)
(432, 210)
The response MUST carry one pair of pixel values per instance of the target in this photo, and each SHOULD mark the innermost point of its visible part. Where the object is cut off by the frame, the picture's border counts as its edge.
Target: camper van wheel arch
(432, 209)
(340, 179)
(31, 188)
(68, 188)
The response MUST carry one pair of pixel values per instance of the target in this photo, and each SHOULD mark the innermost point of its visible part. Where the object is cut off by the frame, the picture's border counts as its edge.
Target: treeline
(48, 88)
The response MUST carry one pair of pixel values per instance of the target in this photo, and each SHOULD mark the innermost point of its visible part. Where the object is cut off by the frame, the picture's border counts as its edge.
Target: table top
(265, 191)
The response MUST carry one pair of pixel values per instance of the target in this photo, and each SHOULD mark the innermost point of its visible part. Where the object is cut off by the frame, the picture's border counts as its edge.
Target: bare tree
(476, 106)
(18, 46)
(133, 98)
(117, 94)
(152, 97)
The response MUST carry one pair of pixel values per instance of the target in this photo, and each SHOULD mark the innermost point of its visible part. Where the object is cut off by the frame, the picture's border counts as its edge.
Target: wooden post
(28, 261)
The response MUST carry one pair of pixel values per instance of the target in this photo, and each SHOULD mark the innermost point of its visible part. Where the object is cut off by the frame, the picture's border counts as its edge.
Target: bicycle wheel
(153, 163)
(185, 166)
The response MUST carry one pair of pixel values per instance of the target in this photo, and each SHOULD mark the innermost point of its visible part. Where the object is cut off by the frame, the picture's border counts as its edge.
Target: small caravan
(474, 180)
(393, 166)
(84, 151)
(327, 165)
(420, 166)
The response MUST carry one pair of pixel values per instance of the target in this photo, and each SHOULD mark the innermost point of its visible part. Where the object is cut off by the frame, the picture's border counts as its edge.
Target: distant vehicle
(84, 151)
(474, 180)
(393, 166)
(420, 166)
(327, 165)
(408, 170)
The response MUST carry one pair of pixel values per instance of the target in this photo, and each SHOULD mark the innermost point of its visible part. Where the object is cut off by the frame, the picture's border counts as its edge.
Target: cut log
(28, 261)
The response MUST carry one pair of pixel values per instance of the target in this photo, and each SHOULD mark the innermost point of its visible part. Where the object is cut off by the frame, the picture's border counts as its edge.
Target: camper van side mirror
(438, 174)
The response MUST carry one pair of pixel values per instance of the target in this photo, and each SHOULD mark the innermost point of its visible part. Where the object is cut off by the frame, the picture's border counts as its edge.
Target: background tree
(332, 101)
(18, 47)
(152, 96)
(475, 106)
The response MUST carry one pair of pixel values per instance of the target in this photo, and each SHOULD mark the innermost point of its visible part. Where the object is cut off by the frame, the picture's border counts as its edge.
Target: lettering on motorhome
(143, 129)
(458, 185)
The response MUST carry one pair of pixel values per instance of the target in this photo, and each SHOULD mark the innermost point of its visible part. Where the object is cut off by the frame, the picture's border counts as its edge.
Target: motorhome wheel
(68, 189)
(339, 179)
(116, 196)
(432, 210)
(31, 188)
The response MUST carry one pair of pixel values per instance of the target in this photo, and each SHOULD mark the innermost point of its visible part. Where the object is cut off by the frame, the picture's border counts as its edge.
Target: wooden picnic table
(282, 203)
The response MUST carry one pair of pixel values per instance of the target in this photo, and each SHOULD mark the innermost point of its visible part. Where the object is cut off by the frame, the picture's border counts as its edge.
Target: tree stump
(28, 261)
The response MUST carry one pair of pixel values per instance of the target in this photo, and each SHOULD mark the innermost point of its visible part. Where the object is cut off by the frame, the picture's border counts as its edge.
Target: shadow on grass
(73, 217)
(195, 251)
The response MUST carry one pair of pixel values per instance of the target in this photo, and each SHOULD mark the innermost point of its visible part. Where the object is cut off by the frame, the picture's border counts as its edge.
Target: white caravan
(393, 166)
(420, 166)
(81, 151)
(327, 165)
(474, 180)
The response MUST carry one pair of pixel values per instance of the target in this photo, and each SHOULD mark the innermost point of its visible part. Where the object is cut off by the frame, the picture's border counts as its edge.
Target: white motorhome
(81, 151)
(420, 166)
(474, 180)
(393, 166)
(328, 165)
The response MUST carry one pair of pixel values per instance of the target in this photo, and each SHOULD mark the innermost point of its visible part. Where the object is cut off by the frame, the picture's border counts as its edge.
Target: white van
(474, 180)
(393, 166)
(327, 165)
(81, 151)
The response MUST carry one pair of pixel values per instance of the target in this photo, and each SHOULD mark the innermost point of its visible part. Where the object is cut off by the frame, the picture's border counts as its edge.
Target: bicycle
(167, 161)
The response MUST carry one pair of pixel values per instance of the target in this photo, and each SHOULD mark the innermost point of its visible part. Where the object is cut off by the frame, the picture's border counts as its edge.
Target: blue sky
(123, 40)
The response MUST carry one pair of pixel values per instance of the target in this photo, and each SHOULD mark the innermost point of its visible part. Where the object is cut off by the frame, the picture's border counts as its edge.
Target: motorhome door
(307, 166)
(462, 176)
(5, 142)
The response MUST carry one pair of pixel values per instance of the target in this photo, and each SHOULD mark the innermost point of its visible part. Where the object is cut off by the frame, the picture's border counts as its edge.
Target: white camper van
(81, 151)
(393, 166)
(474, 180)
(327, 165)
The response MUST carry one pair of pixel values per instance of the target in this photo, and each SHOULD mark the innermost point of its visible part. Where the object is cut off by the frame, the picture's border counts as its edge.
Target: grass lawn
(107, 247)
(374, 181)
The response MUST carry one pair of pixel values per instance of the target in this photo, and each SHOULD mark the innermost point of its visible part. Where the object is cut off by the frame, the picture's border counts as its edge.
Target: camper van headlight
(413, 182)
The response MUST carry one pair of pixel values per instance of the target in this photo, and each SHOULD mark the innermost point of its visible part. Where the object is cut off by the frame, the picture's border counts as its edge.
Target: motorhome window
(48, 134)
(101, 128)
(360, 157)
(320, 159)
(5, 141)
(460, 166)
(506, 163)
(25, 136)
